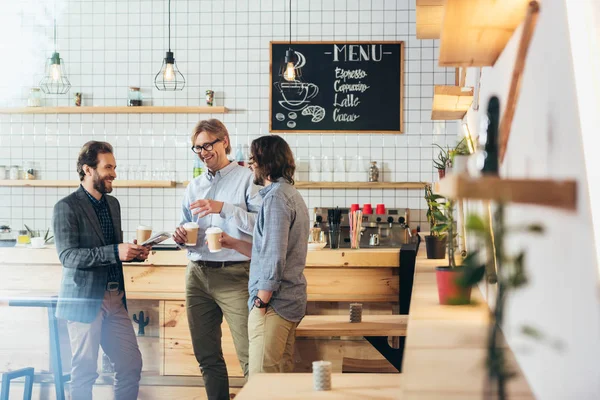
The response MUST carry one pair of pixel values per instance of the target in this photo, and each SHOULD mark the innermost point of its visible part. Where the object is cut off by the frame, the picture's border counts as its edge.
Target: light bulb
(169, 73)
(290, 72)
(55, 72)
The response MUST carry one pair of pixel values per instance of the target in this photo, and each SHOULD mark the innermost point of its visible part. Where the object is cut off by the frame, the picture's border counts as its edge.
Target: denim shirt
(279, 247)
(234, 186)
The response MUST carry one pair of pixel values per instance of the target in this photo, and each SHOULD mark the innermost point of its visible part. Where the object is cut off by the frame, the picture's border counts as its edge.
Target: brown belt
(218, 264)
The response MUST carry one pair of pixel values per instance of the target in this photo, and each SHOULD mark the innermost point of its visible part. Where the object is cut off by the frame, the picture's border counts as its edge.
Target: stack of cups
(355, 312)
(322, 375)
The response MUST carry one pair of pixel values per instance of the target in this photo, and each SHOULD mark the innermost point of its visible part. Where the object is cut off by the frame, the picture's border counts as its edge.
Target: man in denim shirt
(277, 284)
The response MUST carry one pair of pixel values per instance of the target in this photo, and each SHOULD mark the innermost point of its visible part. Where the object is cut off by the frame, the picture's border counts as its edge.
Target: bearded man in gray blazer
(88, 236)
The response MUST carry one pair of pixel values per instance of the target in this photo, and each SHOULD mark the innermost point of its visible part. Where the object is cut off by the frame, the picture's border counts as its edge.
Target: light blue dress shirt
(234, 186)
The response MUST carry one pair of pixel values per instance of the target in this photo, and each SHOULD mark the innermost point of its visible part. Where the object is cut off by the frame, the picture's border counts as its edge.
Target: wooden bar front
(157, 287)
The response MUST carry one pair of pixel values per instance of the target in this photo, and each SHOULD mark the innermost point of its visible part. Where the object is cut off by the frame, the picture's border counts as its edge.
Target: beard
(259, 179)
(100, 183)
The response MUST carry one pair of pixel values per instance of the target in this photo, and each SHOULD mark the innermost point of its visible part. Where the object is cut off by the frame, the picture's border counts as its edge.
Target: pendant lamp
(169, 77)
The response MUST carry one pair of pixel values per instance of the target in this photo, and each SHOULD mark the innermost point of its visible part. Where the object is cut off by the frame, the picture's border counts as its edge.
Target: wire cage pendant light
(169, 77)
(291, 71)
(55, 79)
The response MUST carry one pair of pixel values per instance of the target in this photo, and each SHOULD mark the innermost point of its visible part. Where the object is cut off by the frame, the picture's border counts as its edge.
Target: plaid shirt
(101, 208)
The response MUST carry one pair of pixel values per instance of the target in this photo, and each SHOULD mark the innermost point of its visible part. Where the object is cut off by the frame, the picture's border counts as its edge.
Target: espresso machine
(378, 230)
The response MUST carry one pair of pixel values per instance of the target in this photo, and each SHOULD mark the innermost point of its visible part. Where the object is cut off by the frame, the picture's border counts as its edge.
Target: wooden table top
(344, 387)
(338, 325)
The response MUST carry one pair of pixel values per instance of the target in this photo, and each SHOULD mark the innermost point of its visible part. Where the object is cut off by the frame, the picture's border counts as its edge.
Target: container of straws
(321, 375)
(355, 229)
(355, 312)
(334, 218)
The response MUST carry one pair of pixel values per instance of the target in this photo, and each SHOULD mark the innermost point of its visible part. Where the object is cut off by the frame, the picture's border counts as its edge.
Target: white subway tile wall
(108, 46)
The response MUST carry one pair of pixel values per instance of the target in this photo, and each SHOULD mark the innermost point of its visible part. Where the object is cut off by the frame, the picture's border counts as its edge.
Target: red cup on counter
(367, 209)
(354, 207)
(380, 209)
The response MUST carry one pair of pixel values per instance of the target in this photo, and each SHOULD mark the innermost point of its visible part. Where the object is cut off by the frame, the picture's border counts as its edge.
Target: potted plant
(441, 162)
(435, 242)
(511, 276)
(449, 277)
(459, 157)
(39, 239)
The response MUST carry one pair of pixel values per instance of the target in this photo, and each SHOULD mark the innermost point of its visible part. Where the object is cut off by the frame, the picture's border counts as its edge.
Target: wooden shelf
(474, 32)
(430, 14)
(550, 193)
(69, 183)
(115, 110)
(451, 102)
(360, 185)
(354, 185)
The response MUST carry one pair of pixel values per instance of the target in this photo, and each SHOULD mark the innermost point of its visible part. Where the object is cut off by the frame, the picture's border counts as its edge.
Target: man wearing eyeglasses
(225, 196)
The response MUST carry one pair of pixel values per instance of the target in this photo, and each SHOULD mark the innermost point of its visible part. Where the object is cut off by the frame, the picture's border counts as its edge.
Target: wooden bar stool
(8, 376)
(55, 362)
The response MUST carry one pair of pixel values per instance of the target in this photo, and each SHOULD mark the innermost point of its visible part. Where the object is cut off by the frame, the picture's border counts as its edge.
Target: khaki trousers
(211, 294)
(112, 329)
(271, 342)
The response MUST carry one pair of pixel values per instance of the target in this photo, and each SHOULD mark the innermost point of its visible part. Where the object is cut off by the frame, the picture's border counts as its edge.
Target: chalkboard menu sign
(343, 87)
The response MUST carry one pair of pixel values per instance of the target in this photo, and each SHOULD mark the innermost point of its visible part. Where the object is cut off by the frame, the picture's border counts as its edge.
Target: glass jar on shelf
(30, 172)
(373, 172)
(134, 97)
(2, 172)
(24, 237)
(35, 97)
(14, 173)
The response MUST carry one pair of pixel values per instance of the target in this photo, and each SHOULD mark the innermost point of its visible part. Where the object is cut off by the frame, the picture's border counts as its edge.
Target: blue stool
(50, 304)
(8, 376)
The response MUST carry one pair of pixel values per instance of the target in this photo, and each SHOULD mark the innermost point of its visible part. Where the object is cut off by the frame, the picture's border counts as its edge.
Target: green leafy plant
(435, 217)
(35, 233)
(442, 158)
(511, 275)
(447, 224)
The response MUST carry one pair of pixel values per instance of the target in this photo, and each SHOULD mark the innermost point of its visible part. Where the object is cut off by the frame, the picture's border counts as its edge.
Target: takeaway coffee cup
(143, 233)
(191, 230)
(213, 234)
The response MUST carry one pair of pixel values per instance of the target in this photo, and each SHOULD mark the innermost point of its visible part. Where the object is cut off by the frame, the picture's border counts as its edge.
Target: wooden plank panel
(556, 193)
(179, 355)
(332, 283)
(116, 110)
(451, 102)
(430, 14)
(474, 32)
(339, 325)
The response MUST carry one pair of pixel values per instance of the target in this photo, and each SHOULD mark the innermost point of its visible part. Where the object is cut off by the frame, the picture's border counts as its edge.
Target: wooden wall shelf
(69, 183)
(360, 185)
(474, 33)
(430, 14)
(451, 102)
(115, 110)
(355, 185)
(550, 193)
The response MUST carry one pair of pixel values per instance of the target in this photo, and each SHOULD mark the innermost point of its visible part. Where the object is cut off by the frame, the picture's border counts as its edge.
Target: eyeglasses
(206, 146)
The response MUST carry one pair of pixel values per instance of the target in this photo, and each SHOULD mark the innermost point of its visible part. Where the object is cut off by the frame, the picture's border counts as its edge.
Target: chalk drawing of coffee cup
(296, 95)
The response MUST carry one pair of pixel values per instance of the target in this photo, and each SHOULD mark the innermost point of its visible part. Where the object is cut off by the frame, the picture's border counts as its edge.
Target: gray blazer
(84, 255)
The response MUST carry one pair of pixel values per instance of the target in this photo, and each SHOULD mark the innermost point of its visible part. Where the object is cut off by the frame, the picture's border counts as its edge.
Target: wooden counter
(157, 286)
(446, 345)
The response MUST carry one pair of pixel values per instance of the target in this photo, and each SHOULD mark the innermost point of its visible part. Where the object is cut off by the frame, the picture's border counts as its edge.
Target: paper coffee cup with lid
(143, 233)
(191, 230)
(213, 234)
